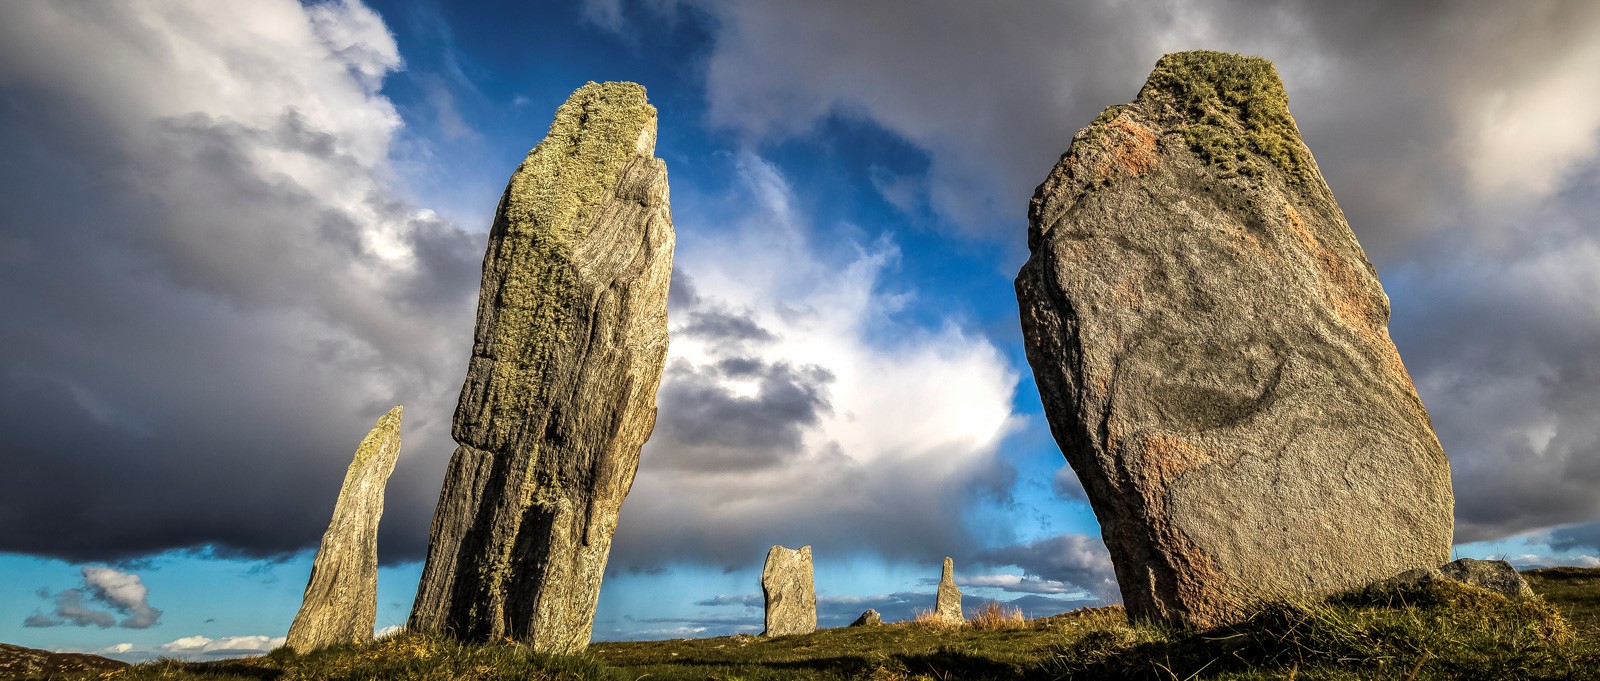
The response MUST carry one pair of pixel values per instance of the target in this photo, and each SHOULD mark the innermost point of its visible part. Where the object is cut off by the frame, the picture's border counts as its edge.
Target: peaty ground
(1438, 631)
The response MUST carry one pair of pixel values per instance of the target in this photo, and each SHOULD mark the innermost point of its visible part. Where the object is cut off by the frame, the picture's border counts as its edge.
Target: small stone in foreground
(870, 618)
(1495, 575)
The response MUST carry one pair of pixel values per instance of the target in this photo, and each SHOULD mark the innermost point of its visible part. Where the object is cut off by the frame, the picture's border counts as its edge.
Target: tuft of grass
(1234, 111)
(995, 616)
(926, 618)
(1428, 631)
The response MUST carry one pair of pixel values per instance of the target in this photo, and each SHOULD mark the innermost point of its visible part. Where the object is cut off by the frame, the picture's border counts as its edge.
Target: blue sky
(235, 236)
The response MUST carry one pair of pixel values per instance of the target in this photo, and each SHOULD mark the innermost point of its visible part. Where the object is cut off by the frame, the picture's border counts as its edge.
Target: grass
(1430, 631)
(1235, 110)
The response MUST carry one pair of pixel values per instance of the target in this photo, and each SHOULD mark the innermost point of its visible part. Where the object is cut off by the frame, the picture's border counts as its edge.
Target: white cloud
(115, 649)
(198, 646)
(869, 431)
(124, 592)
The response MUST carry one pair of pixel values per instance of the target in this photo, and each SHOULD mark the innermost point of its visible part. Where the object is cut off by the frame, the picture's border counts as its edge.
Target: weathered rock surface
(947, 607)
(341, 599)
(791, 593)
(1495, 575)
(870, 618)
(1211, 347)
(561, 386)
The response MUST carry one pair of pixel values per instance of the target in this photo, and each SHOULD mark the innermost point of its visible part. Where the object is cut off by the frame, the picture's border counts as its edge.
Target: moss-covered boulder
(1211, 346)
(560, 389)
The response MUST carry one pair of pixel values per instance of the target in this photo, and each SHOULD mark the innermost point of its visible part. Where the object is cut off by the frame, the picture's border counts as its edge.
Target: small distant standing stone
(948, 605)
(791, 593)
(870, 618)
(341, 599)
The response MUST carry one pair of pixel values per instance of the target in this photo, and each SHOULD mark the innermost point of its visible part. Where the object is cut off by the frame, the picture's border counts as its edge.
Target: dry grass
(927, 618)
(995, 616)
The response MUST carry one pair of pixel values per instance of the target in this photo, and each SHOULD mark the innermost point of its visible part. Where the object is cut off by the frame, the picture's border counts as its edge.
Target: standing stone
(1211, 347)
(341, 599)
(786, 580)
(561, 386)
(948, 605)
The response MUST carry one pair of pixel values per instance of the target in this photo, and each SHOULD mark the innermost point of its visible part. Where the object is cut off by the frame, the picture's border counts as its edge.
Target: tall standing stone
(341, 598)
(791, 594)
(561, 386)
(1211, 347)
(947, 606)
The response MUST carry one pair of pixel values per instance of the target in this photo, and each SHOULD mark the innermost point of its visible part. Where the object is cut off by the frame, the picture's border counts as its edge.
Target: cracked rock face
(341, 598)
(947, 606)
(1211, 347)
(561, 386)
(791, 593)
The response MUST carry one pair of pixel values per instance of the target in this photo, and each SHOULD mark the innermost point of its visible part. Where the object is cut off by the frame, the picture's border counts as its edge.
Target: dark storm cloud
(204, 309)
(714, 428)
(1585, 536)
(1073, 559)
(1460, 138)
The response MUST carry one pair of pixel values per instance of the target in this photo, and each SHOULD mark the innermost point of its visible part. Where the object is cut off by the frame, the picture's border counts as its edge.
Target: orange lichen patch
(1127, 292)
(1126, 148)
(1342, 284)
(1166, 457)
(1201, 588)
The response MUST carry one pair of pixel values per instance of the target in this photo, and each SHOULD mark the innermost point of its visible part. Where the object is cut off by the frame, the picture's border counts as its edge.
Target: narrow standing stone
(341, 599)
(948, 605)
(561, 386)
(786, 581)
(1211, 346)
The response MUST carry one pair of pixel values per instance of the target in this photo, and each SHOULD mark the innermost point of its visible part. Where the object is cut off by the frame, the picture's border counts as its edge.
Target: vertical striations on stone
(560, 389)
(947, 607)
(341, 598)
(791, 594)
(1211, 347)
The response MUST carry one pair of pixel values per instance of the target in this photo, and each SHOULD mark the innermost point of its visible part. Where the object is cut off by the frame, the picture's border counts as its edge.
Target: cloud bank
(799, 408)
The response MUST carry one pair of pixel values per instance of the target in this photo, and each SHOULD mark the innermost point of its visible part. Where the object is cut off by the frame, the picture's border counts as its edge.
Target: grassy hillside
(1421, 632)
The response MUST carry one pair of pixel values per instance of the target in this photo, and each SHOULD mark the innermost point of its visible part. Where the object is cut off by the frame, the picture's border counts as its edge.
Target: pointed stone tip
(1183, 72)
(1225, 104)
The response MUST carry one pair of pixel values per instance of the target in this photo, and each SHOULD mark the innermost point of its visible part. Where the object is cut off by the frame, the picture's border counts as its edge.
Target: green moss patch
(547, 209)
(1234, 110)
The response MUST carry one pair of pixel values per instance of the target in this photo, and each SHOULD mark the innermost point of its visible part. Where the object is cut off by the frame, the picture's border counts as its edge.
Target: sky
(232, 235)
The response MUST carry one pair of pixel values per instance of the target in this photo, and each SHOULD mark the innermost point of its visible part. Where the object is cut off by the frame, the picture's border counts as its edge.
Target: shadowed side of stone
(560, 390)
(791, 595)
(341, 598)
(947, 606)
(1211, 347)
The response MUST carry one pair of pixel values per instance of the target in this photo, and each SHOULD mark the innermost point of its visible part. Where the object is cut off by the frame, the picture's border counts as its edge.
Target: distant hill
(17, 662)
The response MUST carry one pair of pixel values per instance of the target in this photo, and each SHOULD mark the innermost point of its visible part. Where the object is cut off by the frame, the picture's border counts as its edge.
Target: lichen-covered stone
(560, 390)
(1211, 347)
(341, 599)
(1495, 575)
(947, 606)
(791, 594)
